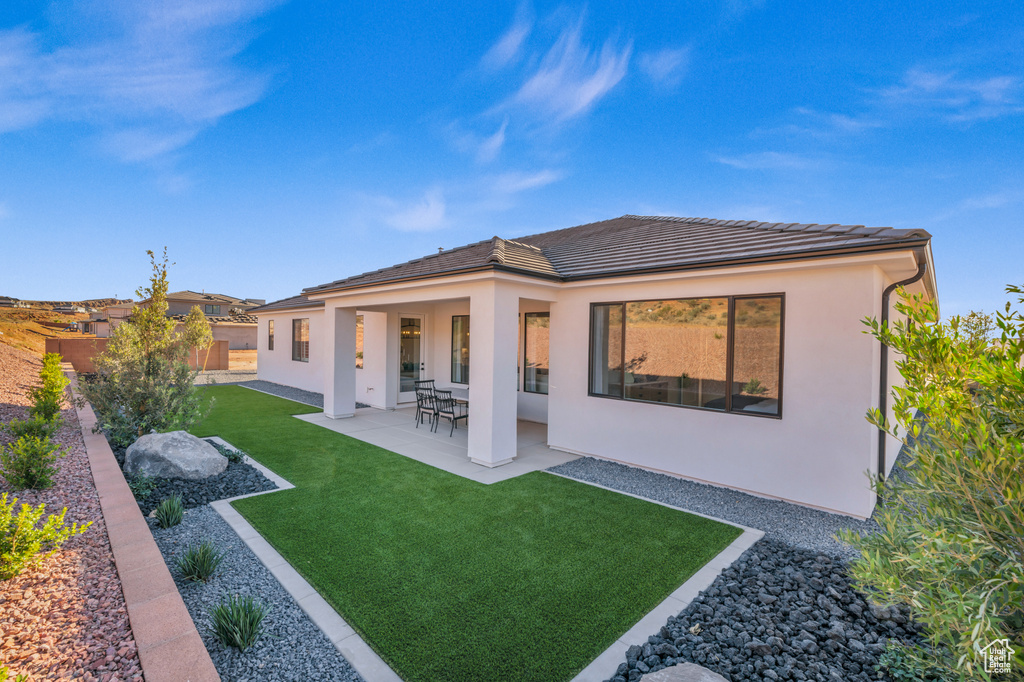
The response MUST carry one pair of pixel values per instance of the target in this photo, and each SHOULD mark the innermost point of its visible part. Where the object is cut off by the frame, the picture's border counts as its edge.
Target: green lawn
(448, 579)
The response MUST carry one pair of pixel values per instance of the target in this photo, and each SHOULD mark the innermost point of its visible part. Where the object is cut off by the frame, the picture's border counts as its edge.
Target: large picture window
(211, 309)
(300, 340)
(535, 361)
(270, 335)
(460, 349)
(714, 353)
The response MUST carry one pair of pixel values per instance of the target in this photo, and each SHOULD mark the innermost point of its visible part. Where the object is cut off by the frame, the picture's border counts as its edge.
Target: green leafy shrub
(237, 621)
(951, 539)
(36, 427)
(5, 674)
(232, 454)
(141, 485)
(199, 562)
(48, 399)
(143, 382)
(912, 664)
(170, 511)
(30, 462)
(23, 541)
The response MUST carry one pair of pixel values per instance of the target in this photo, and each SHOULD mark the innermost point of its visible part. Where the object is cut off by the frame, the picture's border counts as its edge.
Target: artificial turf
(449, 579)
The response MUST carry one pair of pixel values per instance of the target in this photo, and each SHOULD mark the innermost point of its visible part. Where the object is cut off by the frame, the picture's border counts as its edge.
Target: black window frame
(731, 336)
(526, 327)
(296, 343)
(270, 335)
(452, 349)
(210, 309)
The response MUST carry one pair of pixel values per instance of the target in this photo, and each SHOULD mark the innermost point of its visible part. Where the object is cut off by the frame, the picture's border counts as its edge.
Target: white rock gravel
(291, 646)
(65, 618)
(795, 525)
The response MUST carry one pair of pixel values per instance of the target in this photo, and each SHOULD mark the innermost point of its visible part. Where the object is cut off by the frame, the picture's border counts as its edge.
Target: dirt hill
(28, 328)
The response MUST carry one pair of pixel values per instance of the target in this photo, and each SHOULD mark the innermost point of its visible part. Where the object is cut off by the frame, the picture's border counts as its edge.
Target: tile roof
(286, 303)
(204, 297)
(222, 319)
(632, 244)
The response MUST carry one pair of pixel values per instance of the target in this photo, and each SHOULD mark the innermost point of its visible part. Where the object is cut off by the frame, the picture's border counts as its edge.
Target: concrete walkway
(397, 431)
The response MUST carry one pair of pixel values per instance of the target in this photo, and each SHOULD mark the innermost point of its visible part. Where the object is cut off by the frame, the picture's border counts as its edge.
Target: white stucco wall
(277, 365)
(816, 454)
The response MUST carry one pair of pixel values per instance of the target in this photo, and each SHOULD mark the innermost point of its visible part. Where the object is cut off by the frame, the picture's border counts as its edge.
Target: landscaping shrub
(141, 485)
(199, 562)
(912, 664)
(23, 542)
(36, 427)
(237, 621)
(48, 399)
(30, 462)
(951, 539)
(143, 382)
(5, 674)
(170, 511)
(232, 454)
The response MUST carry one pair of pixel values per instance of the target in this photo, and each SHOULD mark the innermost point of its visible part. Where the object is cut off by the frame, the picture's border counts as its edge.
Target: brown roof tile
(633, 243)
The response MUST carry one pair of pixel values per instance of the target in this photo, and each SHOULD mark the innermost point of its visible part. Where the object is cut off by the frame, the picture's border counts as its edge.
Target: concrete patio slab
(397, 431)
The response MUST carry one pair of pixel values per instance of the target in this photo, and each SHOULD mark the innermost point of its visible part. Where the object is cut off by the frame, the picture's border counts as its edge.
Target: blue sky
(276, 145)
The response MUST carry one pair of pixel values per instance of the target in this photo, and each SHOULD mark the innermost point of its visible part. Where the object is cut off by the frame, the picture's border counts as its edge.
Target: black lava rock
(778, 613)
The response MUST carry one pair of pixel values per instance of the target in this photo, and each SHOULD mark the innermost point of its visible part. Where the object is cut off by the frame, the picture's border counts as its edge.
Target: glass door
(410, 356)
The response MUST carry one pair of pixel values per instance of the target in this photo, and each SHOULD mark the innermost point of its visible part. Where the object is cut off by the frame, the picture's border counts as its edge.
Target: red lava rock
(66, 616)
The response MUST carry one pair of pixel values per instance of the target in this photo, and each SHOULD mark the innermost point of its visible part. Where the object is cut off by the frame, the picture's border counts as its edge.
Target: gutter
(883, 371)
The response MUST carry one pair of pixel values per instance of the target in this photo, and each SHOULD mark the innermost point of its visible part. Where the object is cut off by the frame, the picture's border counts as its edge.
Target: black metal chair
(449, 408)
(425, 402)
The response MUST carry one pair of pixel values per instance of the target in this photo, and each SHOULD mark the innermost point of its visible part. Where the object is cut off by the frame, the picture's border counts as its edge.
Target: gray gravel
(290, 392)
(225, 376)
(291, 646)
(795, 525)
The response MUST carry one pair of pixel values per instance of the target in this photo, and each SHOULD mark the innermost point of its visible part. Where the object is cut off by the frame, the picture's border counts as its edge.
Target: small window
(270, 335)
(300, 340)
(211, 309)
(460, 349)
(359, 341)
(535, 361)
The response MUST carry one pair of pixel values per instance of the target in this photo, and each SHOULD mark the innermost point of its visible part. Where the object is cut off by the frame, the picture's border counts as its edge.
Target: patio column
(391, 375)
(340, 362)
(494, 331)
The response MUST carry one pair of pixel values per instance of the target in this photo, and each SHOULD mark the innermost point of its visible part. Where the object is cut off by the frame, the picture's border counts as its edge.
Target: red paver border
(170, 648)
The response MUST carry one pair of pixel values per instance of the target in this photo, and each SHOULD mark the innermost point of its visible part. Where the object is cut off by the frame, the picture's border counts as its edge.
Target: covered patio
(396, 430)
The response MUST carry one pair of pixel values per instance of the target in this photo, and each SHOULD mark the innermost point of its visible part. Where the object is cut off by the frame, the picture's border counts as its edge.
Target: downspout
(883, 374)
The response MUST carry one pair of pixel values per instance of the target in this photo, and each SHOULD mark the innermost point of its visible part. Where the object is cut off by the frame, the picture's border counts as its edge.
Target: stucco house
(728, 352)
(227, 315)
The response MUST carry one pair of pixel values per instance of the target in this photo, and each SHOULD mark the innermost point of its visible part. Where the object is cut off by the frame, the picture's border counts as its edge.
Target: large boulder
(173, 455)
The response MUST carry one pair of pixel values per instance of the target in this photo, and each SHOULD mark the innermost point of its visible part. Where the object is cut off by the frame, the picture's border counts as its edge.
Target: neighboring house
(728, 352)
(226, 314)
(8, 302)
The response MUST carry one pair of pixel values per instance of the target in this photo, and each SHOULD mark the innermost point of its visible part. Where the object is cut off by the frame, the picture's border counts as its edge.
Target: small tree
(49, 397)
(197, 334)
(951, 544)
(143, 381)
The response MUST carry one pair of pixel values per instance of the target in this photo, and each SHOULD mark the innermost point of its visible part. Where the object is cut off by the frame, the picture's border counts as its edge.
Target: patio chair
(446, 406)
(425, 405)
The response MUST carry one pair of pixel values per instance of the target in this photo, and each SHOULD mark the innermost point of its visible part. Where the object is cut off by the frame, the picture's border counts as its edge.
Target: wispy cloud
(572, 77)
(988, 201)
(955, 98)
(515, 182)
(161, 73)
(509, 47)
(665, 67)
(425, 214)
(768, 161)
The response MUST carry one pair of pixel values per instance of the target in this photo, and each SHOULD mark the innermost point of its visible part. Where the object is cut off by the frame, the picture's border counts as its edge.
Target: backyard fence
(80, 353)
